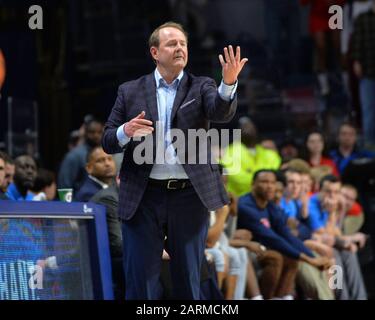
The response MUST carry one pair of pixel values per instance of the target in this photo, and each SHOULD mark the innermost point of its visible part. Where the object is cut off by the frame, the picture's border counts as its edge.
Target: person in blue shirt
(324, 209)
(295, 206)
(268, 225)
(24, 177)
(347, 150)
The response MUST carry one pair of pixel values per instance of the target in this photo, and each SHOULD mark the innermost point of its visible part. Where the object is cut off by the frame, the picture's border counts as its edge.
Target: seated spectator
(101, 170)
(2, 177)
(323, 221)
(9, 171)
(315, 154)
(242, 158)
(241, 239)
(72, 170)
(44, 186)
(294, 204)
(296, 164)
(268, 224)
(353, 218)
(307, 184)
(109, 198)
(24, 178)
(216, 239)
(347, 149)
(304, 169)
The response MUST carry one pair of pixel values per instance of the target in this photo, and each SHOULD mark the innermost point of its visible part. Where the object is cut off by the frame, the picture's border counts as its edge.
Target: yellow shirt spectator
(241, 163)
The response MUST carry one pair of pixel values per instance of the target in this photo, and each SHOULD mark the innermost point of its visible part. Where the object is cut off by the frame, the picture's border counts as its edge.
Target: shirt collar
(161, 82)
(103, 185)
(14, 194)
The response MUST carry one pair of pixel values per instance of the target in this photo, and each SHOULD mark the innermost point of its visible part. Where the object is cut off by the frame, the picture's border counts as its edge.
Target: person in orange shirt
(2, 69)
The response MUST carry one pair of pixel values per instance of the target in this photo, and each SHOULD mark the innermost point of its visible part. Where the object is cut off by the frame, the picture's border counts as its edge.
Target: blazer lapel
(180, 95)
(150, 91)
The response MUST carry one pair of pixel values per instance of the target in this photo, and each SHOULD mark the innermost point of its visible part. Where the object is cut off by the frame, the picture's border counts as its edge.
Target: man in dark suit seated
(159, 199)
(109, 198)
(101, 171)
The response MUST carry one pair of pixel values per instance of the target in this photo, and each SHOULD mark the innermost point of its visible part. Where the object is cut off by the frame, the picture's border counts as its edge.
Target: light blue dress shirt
(165, 95)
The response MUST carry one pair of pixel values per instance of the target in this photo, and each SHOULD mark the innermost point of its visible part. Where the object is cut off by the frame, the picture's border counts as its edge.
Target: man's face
(172, 53)
(293, 184)
(265, 186)
(307, 183)
(2, 171)
(350, 196)
(347, 137)
(101, 165)
(50, 191)
(10, 170)
(26, 172)
(330, 195)
(279, 191)
(94, 132)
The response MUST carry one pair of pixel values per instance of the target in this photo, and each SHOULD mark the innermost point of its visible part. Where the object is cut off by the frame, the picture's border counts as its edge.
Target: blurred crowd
(290, 219)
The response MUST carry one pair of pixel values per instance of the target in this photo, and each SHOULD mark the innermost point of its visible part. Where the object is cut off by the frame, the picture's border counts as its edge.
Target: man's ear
(154, 53)
(89, 168)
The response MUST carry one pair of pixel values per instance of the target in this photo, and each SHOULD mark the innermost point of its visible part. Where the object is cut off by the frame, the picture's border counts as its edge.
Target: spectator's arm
(314, 223)
(283, 230)
(216, 230)
(266, 236)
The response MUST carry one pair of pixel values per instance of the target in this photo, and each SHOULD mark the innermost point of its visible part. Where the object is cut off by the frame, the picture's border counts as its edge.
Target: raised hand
(138, 126)
(232, 64)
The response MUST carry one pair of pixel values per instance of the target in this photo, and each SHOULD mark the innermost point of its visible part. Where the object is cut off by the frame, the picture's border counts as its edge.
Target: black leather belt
(171, 184)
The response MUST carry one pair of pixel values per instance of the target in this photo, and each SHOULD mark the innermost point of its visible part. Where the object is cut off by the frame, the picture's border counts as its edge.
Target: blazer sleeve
(117, 118)
(217, 109)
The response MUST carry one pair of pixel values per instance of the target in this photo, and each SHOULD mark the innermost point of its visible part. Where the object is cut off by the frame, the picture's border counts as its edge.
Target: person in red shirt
(314, 149)
(319, 29)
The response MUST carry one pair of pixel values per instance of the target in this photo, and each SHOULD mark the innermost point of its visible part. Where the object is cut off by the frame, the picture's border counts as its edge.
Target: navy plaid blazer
(135, 96)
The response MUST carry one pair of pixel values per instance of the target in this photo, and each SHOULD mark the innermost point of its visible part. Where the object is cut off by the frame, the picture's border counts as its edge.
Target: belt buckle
(168, 185)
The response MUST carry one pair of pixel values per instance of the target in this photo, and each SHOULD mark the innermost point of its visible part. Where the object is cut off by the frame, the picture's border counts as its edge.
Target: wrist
(305, 258)
(126, 132)
(229, 82)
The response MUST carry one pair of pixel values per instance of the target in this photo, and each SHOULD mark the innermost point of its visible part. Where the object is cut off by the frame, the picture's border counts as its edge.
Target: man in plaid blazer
(168, 199)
